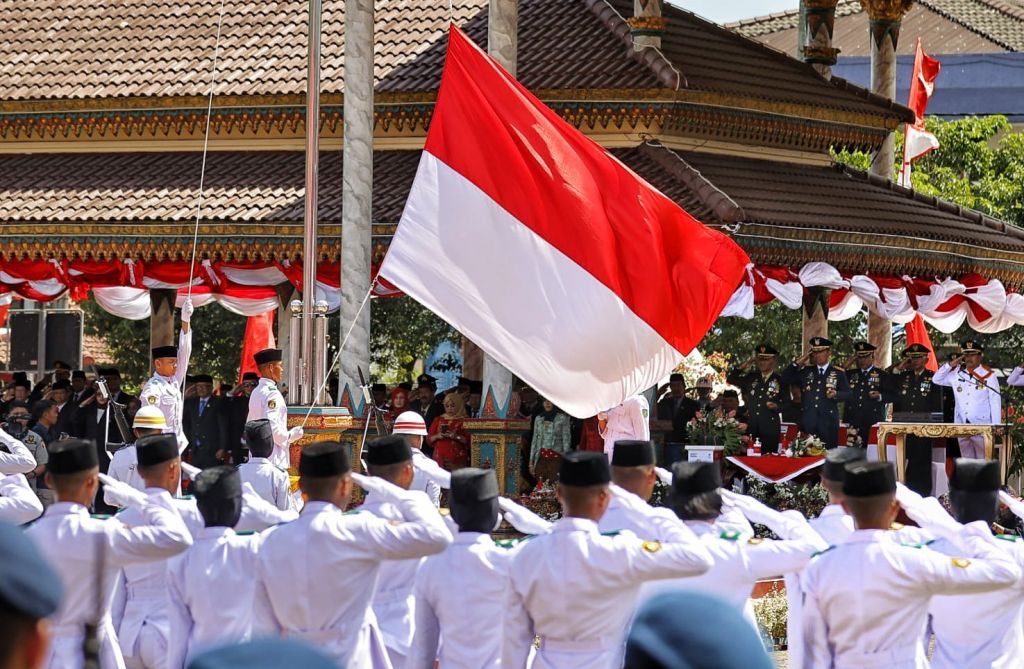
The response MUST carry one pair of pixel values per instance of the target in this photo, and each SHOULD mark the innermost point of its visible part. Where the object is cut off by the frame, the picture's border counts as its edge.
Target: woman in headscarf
(551, 440)
(399, 403)
(448, 436)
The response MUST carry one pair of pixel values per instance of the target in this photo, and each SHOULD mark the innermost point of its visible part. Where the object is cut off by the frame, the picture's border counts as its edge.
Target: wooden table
(943, 431)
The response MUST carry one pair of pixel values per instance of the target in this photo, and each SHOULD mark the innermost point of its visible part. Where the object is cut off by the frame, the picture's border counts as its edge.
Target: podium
(943, 431)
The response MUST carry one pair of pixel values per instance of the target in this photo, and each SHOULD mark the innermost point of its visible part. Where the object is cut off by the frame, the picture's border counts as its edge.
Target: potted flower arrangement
(716, 428)
(806, 447)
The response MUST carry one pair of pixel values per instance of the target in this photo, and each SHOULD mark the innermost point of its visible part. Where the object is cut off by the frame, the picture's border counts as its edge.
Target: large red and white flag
(541, 247)
(917, 141)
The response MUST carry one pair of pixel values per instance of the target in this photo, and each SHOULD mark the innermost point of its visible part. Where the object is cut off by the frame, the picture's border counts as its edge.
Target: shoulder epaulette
(101, 516)
(185, 497)
(753, 541)
(512, 543)
(353, 512)
(1008, 537)
(730, 535)
(612, 533)
(822, 552)
(896, 527)
(245, 533)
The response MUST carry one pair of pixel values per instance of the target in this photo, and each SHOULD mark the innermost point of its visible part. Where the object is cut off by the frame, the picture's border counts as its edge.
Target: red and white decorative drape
(944, 302)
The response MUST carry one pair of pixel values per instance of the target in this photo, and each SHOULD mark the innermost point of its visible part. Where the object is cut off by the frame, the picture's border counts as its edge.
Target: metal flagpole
(307, 383)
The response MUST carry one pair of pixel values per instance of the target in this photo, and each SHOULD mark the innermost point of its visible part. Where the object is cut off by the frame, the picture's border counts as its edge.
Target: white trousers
(151, 650)
(972, 446)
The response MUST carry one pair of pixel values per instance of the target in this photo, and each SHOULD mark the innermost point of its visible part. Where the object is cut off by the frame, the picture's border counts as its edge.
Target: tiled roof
(945, 26)
(244, 187)
(58, 49)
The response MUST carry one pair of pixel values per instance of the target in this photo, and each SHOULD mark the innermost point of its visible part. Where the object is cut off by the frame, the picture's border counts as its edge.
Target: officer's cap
(165, 352)
(379, 388)
(820, 344)
(630, 453)
(156, 449)
(695, 478)
(676, 376)
(28, 584)
(202, 378)
(972, 346)
(268, 355)
(692, 630)
(259, 437)
(110, 371)
(324, 459)
(60, 364)
(975, 476)
(218, 484)
(388, 450)
(426, 380)
(916, 351)
(78, 374)
(263, 654)
(766, 351)
(868, 479)
(70, 456)
(863, 348)
(584, 468)
(470, 485)
(834, 468)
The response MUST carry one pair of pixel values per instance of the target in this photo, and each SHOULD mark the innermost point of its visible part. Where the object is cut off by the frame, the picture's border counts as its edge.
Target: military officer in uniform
(170, 364)
(762, 395)
(976, 390)
(823, 386)
(866, 600)
(866, 405)
(576, 588)
(334, 613)
(87, 552)
(915, 396)
(268, 402)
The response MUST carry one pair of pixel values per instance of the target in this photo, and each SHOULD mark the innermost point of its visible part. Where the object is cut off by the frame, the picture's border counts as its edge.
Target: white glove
(630, 502)
(295, 434)
(521, 518)
(258, 514)
(120, 493)
(907, 497)
(1015, 505)
(664, 475)
(186, 311)
(190, 471)
(786, 526)
(389, 491)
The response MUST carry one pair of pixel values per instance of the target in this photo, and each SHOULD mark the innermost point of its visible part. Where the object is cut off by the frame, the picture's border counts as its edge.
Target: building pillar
(647, 24)
(817, 21)
(161, 318)
(885, 17)
(356, 197)
(285, 294)
(502, 46)
(815, 315)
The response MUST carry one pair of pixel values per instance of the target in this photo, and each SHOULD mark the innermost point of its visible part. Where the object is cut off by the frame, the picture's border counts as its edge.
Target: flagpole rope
(206, 147)
(337, 357)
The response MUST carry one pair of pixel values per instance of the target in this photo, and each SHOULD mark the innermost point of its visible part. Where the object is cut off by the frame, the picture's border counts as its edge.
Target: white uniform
(211, 589)
(460, 597)
(980, 631)
(81, 548)
(429, 477)
(317, 575)
(268, 480)
(393, 599)
(629, 420)
(267, 402)
(124, 467)
(19, 460)
(165, 391)
(576, 589)
(1016, 377)
(866, 600)
(19, 504)
(139, 609)
(834, 525)
(977, 402)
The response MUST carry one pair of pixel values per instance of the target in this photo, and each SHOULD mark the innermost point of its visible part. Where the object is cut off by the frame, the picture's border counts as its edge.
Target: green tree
(403, 331)
(216, 341)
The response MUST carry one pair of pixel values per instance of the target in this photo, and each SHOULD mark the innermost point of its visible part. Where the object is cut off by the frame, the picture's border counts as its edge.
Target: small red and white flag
(538, 245)
(917, 141)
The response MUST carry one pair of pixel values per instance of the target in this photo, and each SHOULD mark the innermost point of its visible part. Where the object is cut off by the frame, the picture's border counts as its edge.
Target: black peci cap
(975, 476)
(470, 485)
(766, 351)
(630, 453)
(695, 478)
(62, 384)
(584, 468)
(165, 352)
(387, 450)
(379, 388)
(78, 374)
(202, 378)
(868, 479)
(324, 459)
(259, 437)
(250, 376)
(70, 456)
(676, 376)
(28, 584)
(156, 449)
(218, 484)
(268, 355)
(834, 468)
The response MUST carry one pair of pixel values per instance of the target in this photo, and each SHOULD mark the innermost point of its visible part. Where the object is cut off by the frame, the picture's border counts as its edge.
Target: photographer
(15, 429)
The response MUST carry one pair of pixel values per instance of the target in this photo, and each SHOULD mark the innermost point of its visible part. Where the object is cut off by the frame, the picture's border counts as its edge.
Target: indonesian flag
(917, 333)
(259, 335)
(557, 260)
(917, 141)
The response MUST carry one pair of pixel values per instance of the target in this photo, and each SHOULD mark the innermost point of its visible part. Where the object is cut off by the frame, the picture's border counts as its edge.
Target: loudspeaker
(63, 339)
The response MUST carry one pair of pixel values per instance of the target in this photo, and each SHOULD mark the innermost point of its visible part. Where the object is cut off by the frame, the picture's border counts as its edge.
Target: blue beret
(691, 630)
(28, 584)
(263, 654)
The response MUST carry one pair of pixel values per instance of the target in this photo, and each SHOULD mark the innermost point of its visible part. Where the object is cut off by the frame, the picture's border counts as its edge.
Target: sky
(724, 11)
